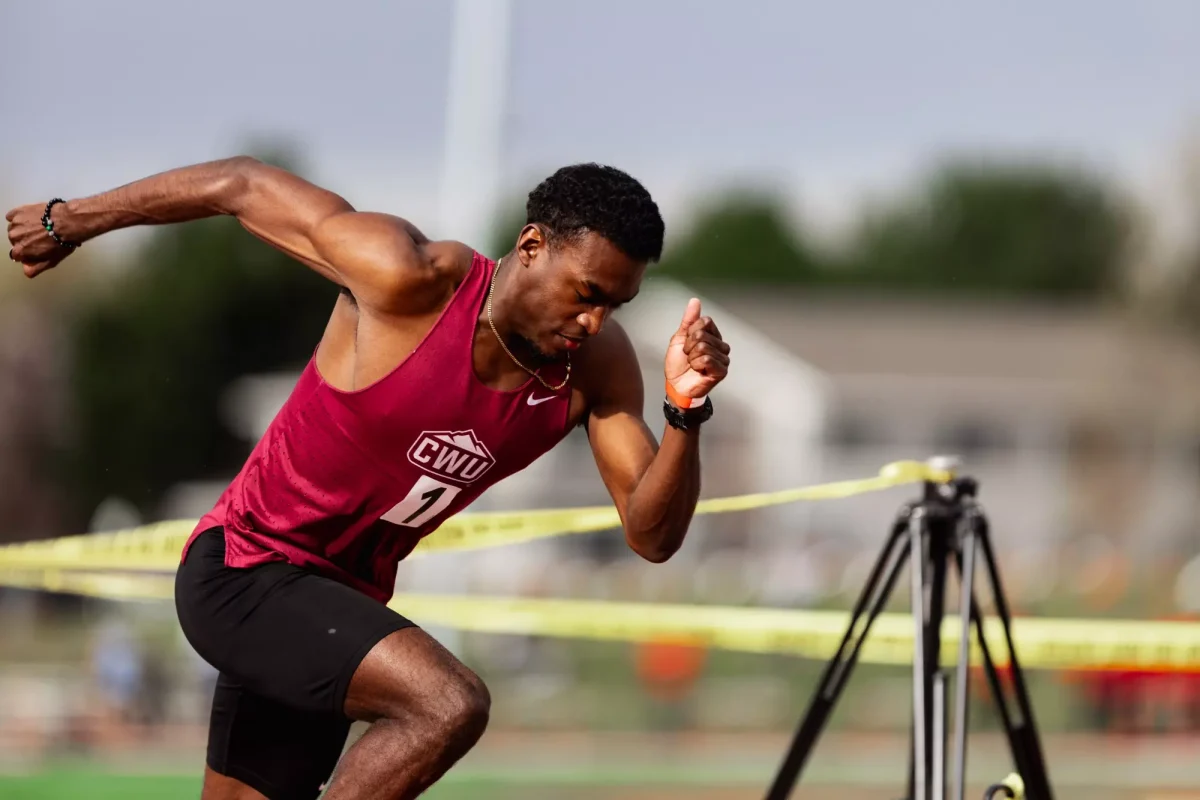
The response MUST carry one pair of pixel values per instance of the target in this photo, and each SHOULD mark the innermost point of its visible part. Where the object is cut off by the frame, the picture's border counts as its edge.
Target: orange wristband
(682, 401)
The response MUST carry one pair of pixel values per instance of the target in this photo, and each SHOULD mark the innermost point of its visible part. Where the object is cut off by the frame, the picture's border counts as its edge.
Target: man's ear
(530, 242)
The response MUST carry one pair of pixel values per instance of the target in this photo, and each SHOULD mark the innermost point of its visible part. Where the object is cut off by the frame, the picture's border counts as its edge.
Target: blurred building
(1078, 421)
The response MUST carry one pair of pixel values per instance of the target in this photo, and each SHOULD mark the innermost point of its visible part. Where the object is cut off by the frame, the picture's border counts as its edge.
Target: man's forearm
(179, 195)
(661, 507)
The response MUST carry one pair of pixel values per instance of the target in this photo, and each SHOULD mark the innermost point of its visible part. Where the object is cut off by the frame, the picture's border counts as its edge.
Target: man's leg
(427, 710)
(222, 787)
(287, 643)
(261, 749)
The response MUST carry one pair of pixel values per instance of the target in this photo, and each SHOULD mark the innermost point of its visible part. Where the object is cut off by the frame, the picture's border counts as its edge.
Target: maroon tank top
(347, 482)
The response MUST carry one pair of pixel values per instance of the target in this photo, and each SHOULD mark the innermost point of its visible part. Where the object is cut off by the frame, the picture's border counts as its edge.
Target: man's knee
(455, 707)
(410, 678)
(463, 708)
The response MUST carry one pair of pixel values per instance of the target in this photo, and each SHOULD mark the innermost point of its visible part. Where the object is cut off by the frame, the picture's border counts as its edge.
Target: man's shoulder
(609, 348)
(608, 363)
(426, 283)
(449, 261)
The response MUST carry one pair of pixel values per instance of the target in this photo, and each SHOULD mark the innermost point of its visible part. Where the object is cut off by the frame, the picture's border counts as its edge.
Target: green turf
(73, 782)
(64, 785)
(70, 786)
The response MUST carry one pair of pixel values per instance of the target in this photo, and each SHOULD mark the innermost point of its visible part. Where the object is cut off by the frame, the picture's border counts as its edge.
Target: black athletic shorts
(286, 642)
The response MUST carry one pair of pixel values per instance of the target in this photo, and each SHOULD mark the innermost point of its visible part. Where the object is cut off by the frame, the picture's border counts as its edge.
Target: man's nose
(593, 320)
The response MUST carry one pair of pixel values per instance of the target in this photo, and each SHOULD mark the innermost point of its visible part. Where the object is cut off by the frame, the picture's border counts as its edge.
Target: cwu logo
(458, 456)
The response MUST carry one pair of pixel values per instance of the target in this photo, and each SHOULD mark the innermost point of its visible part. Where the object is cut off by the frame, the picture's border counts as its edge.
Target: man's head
(589, 234)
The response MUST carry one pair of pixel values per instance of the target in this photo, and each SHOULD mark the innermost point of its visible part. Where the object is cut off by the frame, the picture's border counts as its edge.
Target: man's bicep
(287, 212)
(365, 252)
(622, 444)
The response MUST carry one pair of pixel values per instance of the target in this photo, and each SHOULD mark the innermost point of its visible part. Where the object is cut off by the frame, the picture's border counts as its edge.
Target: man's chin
(546, 351)
(552, 355)
(558, 350)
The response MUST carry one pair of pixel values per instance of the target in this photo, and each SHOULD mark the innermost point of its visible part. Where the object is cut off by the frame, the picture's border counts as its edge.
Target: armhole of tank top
(459, 296)
(466, 292)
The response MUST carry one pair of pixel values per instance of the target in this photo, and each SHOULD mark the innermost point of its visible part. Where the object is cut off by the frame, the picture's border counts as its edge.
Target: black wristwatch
(687, 419)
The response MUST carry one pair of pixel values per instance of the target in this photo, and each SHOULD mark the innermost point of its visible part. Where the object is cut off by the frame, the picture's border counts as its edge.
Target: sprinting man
(438, 374)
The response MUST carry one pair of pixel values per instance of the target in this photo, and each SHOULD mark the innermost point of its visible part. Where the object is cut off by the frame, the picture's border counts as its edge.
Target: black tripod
(945, 524)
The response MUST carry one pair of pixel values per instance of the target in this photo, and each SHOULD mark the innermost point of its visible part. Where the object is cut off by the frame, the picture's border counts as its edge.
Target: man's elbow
(659, 556)
(235, 178)
(656, 552)
(242, 163)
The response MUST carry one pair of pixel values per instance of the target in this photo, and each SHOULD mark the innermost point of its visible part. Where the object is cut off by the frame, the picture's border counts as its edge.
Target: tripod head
(953, 491)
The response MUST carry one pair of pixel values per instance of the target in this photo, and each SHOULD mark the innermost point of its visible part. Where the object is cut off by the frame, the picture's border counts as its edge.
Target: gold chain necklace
(499, 339)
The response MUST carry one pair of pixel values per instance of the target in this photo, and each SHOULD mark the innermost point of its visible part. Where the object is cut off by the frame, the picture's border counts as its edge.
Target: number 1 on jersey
(425, 500)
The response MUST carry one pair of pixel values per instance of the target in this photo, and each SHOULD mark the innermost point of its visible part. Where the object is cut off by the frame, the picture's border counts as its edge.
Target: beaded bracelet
(48, 224)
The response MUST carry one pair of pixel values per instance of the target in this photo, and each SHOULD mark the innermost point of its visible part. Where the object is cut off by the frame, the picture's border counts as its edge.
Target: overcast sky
(823, 99)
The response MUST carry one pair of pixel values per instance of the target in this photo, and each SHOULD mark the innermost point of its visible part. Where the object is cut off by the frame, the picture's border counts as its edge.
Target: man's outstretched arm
(654, 486)
(356, 250)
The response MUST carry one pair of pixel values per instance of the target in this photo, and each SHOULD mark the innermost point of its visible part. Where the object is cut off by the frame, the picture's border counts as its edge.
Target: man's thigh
(409, 674)
(279, 632)
(279, 751)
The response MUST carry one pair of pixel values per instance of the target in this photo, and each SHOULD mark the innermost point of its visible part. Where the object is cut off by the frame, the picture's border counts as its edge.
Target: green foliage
(1004, 231)
(997, 230)
(205, 303)
(746, 240)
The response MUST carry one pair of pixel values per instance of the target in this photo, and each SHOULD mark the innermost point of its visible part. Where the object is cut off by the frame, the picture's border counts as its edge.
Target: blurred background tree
(746, 238)
(203, 304)
(1000, 230)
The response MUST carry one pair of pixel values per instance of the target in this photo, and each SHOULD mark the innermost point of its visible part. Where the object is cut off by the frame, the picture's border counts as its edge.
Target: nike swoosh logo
(533, 401)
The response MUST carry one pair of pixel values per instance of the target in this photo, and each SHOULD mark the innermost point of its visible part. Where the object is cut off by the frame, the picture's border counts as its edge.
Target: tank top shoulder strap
(479, 278)
(469, 296)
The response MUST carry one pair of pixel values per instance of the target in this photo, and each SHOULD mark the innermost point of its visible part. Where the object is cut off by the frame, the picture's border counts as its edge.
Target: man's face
(572, 287)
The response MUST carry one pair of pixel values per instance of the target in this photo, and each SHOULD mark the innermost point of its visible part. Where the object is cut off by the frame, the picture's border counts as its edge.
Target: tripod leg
(966, 572)
(941, 534)
(939, 735)
(1037, 780)
(993, 677)
(921, 741)
(871, 601)
(929, 734)
(1016, 731)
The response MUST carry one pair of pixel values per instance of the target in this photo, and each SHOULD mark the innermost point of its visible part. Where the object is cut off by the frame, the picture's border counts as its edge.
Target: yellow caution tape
(101, 585)
(157, 547)
(91, 564)
(1041, 643)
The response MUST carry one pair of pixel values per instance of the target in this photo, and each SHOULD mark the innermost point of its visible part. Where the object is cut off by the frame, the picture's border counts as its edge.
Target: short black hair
(604, 200)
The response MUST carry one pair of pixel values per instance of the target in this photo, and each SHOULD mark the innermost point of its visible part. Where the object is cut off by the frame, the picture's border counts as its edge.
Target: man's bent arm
(655, 487)
(660, 509)
(317, 227)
